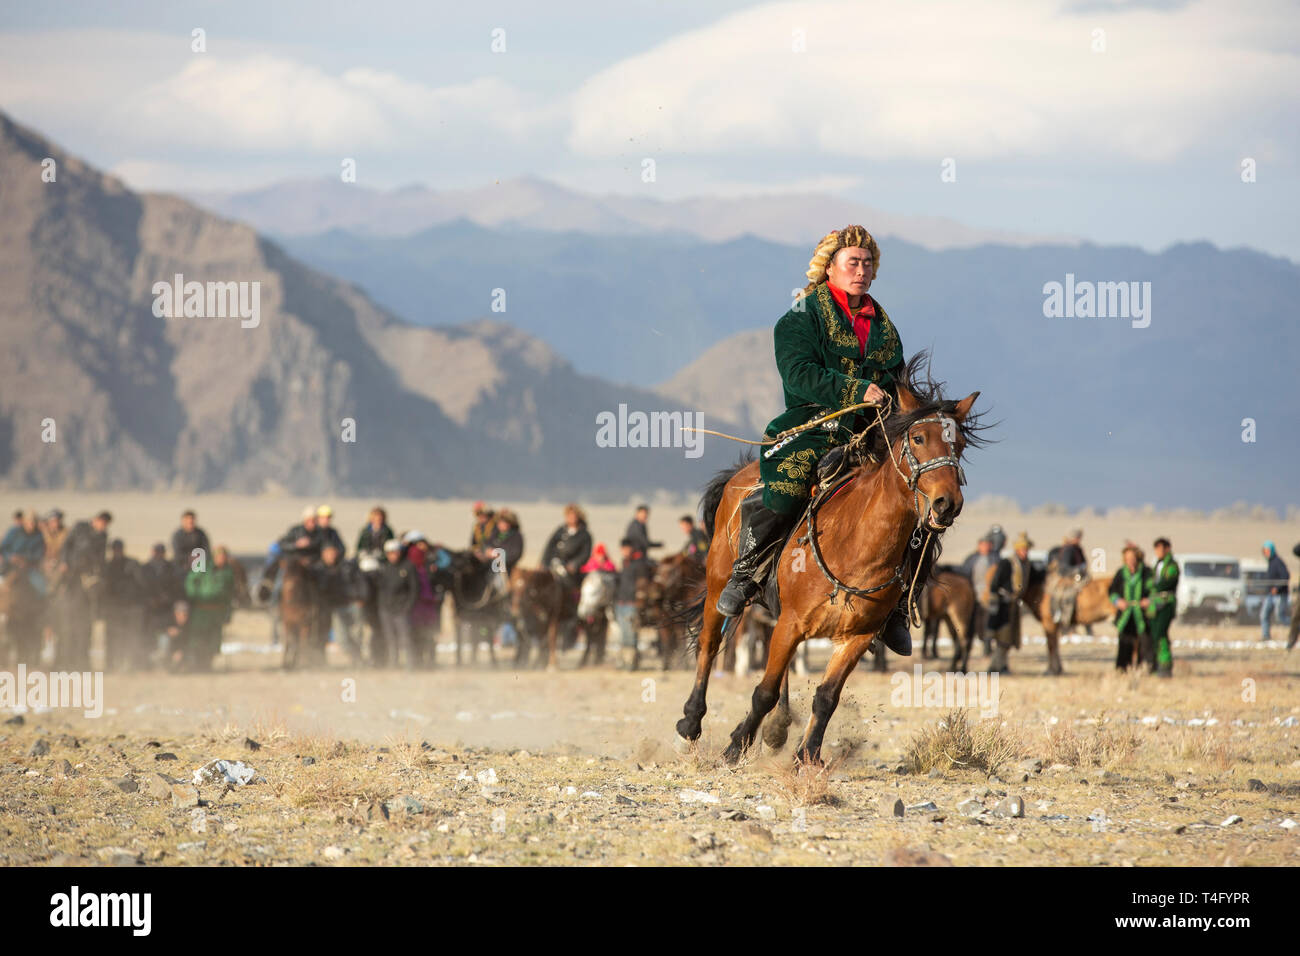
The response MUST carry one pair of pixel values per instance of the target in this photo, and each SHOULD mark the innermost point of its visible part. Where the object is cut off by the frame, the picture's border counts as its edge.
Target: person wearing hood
(599, 560)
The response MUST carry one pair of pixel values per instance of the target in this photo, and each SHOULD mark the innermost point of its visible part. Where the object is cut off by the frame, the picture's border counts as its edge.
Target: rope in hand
(798, 428)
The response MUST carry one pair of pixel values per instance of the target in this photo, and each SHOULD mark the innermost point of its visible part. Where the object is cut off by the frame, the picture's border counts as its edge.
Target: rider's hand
(874, 393)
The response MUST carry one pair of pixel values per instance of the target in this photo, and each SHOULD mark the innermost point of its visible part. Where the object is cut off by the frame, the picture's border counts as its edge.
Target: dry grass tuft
(326, 785)
(1104, 746)
(953, 741)
(803, 784)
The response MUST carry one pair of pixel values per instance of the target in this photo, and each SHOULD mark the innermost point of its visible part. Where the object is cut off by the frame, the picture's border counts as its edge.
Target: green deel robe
(817, 354)
(210, 593)
(1163, 594)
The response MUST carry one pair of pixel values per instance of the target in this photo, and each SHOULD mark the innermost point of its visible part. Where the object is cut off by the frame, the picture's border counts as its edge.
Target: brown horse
(538, 603)
(299, 610)
(750, 651)
(1091, 605)
(863, 535)
(948, 598)
(675, 585)
(22, 608)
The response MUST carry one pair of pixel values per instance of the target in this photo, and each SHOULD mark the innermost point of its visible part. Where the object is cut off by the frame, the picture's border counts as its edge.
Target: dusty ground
(583, 768)
(499, 767)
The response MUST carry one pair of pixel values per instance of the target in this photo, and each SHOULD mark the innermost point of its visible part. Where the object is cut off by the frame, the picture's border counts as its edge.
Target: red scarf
(861, 320)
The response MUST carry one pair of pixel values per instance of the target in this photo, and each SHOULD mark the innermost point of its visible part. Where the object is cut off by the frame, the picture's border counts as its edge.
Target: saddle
(834, 470)
(1065, 591)
(838, 462)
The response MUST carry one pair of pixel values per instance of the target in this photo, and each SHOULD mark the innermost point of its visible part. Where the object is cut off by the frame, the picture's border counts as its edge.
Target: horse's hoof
(731, 756)
(682, 745)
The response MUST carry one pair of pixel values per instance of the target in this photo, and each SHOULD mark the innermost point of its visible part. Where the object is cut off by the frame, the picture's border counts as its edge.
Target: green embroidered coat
(822, 370)
(1132, 586)
(1164, 585)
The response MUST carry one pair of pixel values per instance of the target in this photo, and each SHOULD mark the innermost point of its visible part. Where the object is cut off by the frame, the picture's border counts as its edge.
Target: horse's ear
(964, 406)
(907, 402)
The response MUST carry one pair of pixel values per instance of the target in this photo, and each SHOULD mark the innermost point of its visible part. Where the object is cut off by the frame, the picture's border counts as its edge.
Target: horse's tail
(692, 615)
(715, 489)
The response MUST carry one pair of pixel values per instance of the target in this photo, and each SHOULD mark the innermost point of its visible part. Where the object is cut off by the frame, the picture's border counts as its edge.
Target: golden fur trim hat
(832, 243)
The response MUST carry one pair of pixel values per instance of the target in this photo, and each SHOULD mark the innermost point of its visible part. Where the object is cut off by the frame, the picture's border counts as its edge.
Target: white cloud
(949, 78)
(150, 92)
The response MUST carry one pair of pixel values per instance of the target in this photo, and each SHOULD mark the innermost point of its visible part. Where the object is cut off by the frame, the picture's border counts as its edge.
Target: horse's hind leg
(710, 640)
(776, 729)
(782, 648)
(827, 697)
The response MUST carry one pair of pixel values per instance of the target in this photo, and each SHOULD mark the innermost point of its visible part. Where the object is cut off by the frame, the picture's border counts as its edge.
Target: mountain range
(99, 388)
(308, 207)
(474, 357)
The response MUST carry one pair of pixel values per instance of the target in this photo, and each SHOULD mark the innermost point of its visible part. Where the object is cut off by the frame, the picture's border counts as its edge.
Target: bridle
(916, 468)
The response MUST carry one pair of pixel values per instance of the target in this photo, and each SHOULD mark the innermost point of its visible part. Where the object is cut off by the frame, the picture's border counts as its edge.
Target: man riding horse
(835, 348)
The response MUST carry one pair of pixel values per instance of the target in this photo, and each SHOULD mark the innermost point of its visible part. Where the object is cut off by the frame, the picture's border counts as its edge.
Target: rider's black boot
(896, 635)
(760, 529)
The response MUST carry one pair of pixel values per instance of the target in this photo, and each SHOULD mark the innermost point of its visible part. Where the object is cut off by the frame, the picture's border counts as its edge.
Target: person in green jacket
(1129, 590)
(1164, 587)
(835, 348)
(210, 590)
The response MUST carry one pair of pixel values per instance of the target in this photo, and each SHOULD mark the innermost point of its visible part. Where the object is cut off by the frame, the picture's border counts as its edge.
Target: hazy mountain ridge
(309, 207)
(140, 400)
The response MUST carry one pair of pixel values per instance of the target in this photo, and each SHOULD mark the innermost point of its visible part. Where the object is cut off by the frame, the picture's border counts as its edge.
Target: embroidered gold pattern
(849, 394)
(834, 330)
(799, 464)
(794, 489)
(887, 353)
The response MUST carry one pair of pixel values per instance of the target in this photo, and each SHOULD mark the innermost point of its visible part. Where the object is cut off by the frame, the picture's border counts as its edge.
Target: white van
(1209, 585)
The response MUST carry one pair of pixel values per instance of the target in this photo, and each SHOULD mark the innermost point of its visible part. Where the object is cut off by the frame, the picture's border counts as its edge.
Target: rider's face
(852, 270)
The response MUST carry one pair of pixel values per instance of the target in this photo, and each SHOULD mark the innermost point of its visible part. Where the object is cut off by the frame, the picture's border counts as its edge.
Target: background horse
(863, 535)
(674, 586)
(299, 613)
(537, 602)
(1091, 605)
(595, 599)
(948, 598)
(23, 609)
(481, 607)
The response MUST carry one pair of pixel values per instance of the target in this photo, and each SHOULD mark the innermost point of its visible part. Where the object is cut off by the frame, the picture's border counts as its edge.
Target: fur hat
(832, 243)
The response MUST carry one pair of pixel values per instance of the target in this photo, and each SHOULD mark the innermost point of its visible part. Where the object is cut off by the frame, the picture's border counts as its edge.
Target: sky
(1115, 122)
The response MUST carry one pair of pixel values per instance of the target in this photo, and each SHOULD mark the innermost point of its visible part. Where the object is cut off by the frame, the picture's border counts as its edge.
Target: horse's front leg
(827, 697)
(552, 637)
(776, 729)
(710, 640)
(766, 694)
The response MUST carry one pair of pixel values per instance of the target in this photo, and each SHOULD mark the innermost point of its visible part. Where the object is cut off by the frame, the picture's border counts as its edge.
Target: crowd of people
(1143, 596)
(166, 611)
(381, 603)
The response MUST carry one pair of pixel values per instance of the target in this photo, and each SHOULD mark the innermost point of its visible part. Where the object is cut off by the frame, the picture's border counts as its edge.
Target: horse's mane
(916, 377)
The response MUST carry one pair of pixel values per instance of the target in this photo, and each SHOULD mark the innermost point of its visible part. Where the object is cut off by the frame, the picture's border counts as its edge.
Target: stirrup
(896, 635)
(742, 590)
